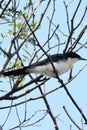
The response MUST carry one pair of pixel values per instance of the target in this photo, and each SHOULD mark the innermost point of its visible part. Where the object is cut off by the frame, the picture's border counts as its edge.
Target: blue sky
(59, 98)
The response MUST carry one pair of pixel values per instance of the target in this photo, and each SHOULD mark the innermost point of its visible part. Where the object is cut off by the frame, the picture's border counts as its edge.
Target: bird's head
(73, 57)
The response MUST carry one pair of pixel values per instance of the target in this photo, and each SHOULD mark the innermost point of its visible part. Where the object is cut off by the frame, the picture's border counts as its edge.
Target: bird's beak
(83, 58)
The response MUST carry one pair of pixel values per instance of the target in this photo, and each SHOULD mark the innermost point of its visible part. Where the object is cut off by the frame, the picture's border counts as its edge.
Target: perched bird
(61, 62)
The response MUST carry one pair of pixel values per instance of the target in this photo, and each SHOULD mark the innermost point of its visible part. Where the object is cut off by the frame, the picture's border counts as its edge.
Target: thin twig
(71, 118)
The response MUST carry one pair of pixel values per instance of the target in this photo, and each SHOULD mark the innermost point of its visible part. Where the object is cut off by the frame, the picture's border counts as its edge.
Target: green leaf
(19, 25)
(10, 32)
(28, 5)
(17, 64)
(32, 40)
(22, 82)
(33, 24)
(11, 24)
(3, 91)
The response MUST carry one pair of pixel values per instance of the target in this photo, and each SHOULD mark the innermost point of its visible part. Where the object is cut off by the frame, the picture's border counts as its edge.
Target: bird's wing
(54, 58)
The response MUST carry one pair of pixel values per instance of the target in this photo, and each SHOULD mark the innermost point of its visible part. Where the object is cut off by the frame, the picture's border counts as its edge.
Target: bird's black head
(74, 55)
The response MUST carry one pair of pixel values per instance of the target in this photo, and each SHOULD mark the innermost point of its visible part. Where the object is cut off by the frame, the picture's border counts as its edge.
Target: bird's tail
(15, 72)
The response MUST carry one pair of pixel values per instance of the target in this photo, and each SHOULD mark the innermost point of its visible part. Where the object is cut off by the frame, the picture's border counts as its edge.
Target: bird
(61, 62)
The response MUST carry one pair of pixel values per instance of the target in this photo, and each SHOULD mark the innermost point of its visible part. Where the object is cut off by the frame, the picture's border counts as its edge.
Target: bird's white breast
(60, 67)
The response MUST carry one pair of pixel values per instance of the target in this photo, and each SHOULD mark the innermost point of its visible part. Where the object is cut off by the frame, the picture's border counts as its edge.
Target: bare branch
(71, 118)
